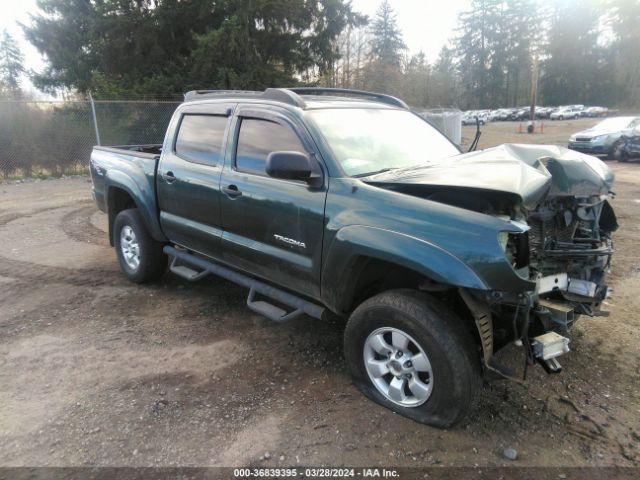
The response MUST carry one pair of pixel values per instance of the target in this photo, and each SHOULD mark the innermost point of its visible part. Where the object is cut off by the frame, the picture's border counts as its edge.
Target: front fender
(356, 241)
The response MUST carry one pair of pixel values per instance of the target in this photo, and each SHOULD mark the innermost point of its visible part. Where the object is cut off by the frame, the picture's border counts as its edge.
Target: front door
(272, 228)
(188, 177)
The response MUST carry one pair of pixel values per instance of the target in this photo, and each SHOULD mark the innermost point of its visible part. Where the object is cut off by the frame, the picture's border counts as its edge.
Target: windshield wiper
(368, 174)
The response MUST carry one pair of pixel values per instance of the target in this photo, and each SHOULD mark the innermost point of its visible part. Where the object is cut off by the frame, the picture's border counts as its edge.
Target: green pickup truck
(331, 202)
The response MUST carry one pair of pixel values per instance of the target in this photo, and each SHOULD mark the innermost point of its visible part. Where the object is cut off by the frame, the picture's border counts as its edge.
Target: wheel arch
(363, 261)
(121, 197)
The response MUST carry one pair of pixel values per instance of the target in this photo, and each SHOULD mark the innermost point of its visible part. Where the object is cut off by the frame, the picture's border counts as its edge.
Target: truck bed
(132, 169)
(134, 150)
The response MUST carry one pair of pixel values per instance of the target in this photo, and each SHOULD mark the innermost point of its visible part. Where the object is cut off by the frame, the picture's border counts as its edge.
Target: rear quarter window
(200, 138)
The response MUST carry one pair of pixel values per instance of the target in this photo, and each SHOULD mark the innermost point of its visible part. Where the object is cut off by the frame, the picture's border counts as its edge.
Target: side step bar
(272, 312)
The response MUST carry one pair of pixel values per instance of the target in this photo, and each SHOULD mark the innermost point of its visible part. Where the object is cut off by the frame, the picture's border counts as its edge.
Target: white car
(469, 118)
(567, 112)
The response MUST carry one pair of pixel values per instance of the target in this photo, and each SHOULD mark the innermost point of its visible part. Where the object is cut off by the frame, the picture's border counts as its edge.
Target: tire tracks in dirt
(77, 226)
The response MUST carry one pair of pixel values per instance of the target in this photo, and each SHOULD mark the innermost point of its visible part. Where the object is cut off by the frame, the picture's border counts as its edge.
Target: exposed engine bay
(570, 250)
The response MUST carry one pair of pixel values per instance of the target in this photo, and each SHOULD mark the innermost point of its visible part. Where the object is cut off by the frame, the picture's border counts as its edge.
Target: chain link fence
(447, 120)
(54, 138)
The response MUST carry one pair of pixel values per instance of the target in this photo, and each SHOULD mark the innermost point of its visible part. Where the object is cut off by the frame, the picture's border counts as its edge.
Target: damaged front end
(565, 247)
(567, 251)
(555, 203)
(570, 251)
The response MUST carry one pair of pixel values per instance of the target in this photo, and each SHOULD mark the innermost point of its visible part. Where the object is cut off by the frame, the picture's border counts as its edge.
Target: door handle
(169, 177)
(232, 191)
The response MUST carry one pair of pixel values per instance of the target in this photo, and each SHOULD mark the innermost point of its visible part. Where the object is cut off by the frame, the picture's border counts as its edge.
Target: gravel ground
(97, 371)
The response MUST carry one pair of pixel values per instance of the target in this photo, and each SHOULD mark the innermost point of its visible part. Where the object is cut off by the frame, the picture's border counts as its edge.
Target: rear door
(188, 177)
(272, 227)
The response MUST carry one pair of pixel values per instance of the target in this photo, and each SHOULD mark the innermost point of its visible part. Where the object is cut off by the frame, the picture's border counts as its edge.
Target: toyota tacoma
(342, 203)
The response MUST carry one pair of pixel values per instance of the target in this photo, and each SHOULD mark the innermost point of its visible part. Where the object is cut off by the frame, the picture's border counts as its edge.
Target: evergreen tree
(416, 81)
(167, 46)
(523, 28)
(625, 49)
(577, 69)
(444, 83)
(387, 45)
(11, 64)
(476, 45)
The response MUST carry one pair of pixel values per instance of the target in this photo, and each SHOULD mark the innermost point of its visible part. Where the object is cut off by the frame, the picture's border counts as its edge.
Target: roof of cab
(302, 97)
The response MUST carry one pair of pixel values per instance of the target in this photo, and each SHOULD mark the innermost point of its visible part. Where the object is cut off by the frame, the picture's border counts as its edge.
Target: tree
(444, 82)
(11, 65)
(625, 20)
(387, 44)
(383, 71)
(477, 47)
(522, 28)
(416, 81)
(577, 69)
(167, 46)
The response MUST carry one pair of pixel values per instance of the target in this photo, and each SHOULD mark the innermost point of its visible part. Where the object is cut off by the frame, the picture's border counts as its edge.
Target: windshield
(614, 123)
(369, 140)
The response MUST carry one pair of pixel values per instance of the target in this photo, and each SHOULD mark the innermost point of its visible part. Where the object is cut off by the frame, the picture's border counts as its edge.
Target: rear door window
(200, 138)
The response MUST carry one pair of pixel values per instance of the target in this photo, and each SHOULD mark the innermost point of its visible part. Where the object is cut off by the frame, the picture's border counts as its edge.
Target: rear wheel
(141, 257)
(411, 354)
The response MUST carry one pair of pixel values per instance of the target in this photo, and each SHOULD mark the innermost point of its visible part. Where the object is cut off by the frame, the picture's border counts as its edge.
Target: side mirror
(289, 165)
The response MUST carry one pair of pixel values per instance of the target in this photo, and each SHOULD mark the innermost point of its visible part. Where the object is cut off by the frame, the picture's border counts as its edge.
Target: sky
(427, 25)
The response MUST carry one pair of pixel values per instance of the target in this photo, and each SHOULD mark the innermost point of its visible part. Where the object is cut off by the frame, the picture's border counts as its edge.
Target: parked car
(324, 205)
(566, 113)
(543, 112)
(592, 112)
(602, 138)
(520, 114)
(473, 116)
(628, 146)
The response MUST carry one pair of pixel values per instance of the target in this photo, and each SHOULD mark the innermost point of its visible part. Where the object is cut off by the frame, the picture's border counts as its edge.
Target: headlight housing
(516, 249)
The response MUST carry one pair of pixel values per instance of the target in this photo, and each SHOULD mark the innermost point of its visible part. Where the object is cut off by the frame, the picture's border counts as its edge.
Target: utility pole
(534, 93)
(95, 119)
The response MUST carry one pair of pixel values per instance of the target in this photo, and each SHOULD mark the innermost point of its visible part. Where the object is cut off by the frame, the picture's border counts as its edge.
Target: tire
(612, 154)
(131, 235)
(429, 327)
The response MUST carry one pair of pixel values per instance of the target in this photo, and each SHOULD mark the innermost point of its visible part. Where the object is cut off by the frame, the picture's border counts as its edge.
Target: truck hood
(528, 173)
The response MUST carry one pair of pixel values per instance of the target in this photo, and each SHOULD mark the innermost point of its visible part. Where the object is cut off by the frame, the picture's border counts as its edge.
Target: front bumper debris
(547, 348)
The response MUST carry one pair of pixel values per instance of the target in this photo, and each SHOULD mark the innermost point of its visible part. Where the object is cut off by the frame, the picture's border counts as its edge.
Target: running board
(202, 267)
(186, 272)
(270, 311)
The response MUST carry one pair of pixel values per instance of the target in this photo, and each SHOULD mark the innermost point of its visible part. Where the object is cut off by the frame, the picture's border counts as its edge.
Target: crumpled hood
(530, 172)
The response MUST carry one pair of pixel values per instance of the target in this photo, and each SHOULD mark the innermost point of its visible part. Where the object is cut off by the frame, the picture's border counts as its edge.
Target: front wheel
(614, 151)
(411, 354)
(141, 257)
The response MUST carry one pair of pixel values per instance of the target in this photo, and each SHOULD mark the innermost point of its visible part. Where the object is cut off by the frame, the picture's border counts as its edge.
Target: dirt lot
(97, 371)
